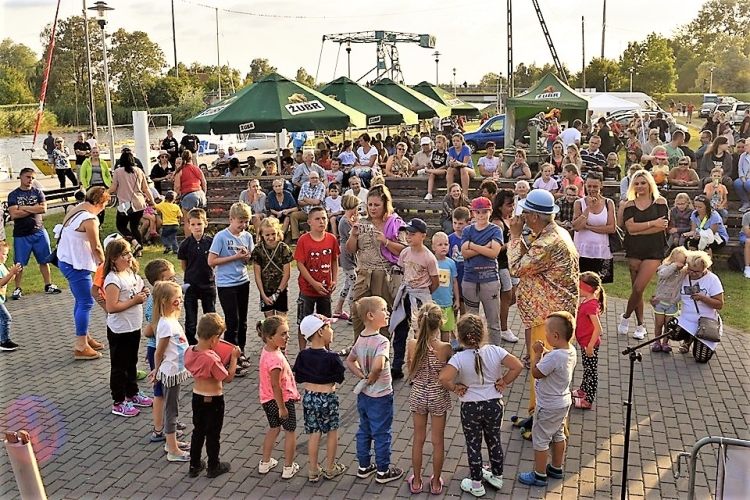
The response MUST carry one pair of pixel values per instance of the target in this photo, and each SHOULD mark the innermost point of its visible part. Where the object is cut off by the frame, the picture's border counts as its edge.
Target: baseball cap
(481, 203)
(125, 148)
(415, 225)
(312, 323)
(425, 140)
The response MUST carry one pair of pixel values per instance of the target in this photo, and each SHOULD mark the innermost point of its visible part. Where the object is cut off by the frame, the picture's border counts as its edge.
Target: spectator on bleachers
(488, 188)
(287, 166)
(366, 165)
(421, 161)
(253, 169)
(717, 155)
(682, 175)
(256, 198)
(335, 174)
(304, 169)
(356, 189)
(489, 164)
(311, 194)
(222, 161)
(398, 165)
(454, 199)
(567, 204)
(519, 169)
(234, 169)
(269, 168)
(281, 203)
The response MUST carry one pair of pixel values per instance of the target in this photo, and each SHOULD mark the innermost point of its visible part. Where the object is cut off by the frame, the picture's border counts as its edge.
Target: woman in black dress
(645, 217)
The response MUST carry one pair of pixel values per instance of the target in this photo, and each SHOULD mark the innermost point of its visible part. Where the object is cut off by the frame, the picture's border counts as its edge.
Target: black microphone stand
(634, 355)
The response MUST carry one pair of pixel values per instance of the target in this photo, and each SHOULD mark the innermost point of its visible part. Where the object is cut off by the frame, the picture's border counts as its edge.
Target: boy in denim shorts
(553, 371)
(320, 370)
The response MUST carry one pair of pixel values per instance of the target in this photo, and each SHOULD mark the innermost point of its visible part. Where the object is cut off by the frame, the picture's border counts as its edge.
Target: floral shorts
(321, 411)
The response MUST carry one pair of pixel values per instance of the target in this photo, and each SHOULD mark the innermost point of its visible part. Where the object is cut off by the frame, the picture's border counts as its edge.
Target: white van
(737, 113)
(644, 101)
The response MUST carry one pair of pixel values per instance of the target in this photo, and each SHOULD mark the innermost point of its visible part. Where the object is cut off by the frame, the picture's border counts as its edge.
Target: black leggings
(234, 302)
(208, 419)
(62, 173)
(127, 224)
(590, 381)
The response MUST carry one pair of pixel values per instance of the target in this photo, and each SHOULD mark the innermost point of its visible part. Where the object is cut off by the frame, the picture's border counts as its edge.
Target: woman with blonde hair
(61, 163)
(398, 165)
(573, 156)
(645, 217)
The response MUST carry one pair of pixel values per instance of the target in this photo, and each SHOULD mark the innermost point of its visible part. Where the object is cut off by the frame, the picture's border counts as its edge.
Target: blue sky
(471, 34)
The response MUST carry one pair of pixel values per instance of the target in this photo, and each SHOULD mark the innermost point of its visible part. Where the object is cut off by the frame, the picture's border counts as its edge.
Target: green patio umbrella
(379, 109)
(425, 107)
(458, 107)
(272, 104)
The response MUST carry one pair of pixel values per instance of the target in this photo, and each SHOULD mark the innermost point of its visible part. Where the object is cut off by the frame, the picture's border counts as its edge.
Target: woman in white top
(355, 188)
(79, 253)
(366, 166)
(593, 221)
(488, 164)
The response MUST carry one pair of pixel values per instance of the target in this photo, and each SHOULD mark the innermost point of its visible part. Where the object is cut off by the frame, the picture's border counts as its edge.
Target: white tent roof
(601, 104)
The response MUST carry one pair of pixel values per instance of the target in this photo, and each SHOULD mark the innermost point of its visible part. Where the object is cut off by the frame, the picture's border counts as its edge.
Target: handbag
(708, 328)
(616, 240)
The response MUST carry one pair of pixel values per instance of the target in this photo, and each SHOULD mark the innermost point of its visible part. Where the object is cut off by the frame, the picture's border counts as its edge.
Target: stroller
(733, 471)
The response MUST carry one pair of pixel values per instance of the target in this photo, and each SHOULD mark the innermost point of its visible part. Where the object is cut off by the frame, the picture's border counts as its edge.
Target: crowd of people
(546, 248)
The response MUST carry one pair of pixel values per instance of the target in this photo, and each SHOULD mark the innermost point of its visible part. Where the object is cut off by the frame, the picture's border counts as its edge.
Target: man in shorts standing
(26, 204)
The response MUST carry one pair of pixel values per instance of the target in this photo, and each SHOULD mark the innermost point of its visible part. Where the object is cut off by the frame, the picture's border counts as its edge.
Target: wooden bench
(61, 197)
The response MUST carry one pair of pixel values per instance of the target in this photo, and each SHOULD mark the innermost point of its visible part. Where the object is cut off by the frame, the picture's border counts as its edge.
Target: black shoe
(220, 469)
(397, 374)
(167, 251)
(391, 474)
(195, 471)
(8, 345)
(365, 472)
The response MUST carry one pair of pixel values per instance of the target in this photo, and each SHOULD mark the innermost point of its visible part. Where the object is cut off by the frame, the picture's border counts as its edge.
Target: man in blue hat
(547, 268)
(421, 278)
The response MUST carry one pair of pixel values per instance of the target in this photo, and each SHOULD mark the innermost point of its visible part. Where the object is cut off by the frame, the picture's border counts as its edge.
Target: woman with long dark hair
(130, 186)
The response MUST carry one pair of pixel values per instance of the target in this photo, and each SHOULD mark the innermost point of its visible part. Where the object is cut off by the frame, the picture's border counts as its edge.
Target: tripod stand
(633, 355)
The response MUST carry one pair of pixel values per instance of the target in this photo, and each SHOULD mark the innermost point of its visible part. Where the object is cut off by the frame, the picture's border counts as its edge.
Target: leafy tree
(653, 61)
(490, 80)
(716, 17)
(305, 79)
(258, 69)
(14, 88)
(731, 71)
(598, 68)
(134, 61)
(20, 57)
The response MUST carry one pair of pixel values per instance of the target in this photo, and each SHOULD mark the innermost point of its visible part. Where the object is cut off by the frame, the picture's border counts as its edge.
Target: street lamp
(631, 69)
(605, 83)
(437, 62)
(711, 82)
(348, 58)
(454, 81)
(101, 9)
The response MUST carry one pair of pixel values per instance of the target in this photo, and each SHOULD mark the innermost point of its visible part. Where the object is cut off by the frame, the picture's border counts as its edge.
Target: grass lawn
(736, 295)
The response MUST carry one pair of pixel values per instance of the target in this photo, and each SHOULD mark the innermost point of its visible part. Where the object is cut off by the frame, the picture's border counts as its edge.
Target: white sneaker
(421, 171)
(428, 197)
(624, 325)
(265, 467)
(640, 332)
(745, 207)
(747, 272)
(291, 471)
(495, 481)
(508, 336)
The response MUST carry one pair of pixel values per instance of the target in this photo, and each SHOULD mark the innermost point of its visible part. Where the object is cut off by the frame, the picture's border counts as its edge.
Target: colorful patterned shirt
(548, 274)
(308, 191)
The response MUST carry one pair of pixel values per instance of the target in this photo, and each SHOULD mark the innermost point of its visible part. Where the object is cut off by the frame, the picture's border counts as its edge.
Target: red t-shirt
(318, 258)
(584, 325)
(205, 364)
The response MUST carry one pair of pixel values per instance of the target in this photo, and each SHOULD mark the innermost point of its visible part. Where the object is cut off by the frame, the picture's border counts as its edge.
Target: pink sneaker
(125, 409)
(141, 400)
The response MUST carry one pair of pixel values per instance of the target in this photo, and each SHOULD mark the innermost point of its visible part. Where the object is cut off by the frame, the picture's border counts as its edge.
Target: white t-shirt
(489, 164)
(710, 285)
(569, 136)
(553, 391)
(492, 369)
(362, 196)
(364, 158)
(550, 186)
(174, 355)
(129, 284)
(333, 205)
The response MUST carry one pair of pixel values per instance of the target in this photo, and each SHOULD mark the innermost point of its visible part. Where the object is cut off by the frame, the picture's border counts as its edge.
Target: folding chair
(733, 471)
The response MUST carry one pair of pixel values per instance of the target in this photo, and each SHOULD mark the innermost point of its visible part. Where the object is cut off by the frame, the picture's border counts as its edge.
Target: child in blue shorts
(447, 294)
(157, 270)
(320, 370)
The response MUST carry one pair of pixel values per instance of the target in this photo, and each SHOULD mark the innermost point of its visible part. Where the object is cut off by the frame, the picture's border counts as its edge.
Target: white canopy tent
(602, 104)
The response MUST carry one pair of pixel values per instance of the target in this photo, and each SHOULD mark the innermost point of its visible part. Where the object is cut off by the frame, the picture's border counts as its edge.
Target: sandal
(242, 362)
(656, 347)
(578, 393)
(412, 488)
(527, 362)
(436, 491)
(582, 404)
(684, 348)
(344, 352)
(666, 347)
(240, 372)
(180, 426)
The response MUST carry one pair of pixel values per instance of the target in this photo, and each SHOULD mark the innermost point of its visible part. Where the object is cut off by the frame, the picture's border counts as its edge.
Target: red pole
(43, 95)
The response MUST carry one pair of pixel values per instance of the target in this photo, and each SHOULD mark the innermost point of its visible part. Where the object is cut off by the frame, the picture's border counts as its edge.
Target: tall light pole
(92, 105)
(711, 82)
(454, 81)
(605, 83)
(101, 9)
(349, 59)
(437, 62)
(174, 45)
(631, 69)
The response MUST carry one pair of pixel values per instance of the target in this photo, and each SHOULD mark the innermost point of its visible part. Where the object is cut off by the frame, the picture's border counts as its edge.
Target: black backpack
(736, 261)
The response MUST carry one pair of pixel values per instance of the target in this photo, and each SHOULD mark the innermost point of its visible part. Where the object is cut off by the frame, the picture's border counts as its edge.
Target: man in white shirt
(572, 135)
(231, 153)
(423, 157)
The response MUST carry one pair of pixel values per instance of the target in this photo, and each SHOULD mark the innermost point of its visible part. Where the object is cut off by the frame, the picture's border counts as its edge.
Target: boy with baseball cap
(320, 370)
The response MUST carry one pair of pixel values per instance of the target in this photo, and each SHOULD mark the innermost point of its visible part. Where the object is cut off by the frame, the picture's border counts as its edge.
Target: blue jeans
(4, 324)
(207, 298)
(365, 176)
(742, 189)
(80, 285)
(375, 421)
(169, 237)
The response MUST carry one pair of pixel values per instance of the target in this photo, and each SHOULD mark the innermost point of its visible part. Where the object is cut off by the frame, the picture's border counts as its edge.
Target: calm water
(14, 146)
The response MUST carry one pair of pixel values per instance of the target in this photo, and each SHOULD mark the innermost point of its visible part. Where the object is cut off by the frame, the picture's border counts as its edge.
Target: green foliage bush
(21, 121)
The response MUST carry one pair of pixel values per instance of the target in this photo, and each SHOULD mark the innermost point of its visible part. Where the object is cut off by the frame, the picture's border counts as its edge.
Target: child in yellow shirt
(170, 221)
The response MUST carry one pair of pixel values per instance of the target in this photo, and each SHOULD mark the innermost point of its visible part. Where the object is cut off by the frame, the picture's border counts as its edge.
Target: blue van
(492, 130)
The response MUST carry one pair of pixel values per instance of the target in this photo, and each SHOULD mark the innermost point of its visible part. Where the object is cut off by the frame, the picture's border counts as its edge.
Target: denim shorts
(666, 309)
(196, 199)
(321, 411)
(506, 281)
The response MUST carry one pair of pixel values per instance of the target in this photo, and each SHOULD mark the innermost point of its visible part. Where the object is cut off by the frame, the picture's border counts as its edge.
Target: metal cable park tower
(387, 63)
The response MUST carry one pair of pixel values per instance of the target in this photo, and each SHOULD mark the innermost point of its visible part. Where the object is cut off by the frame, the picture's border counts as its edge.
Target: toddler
(588, 335)
(666, 298)
(170, 221)
(446, 295)
(5, 276)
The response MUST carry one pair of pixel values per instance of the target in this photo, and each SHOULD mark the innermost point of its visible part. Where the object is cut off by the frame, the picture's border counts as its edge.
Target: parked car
(737, 113)
(707, 108)
(491, 130)
(262, 142)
